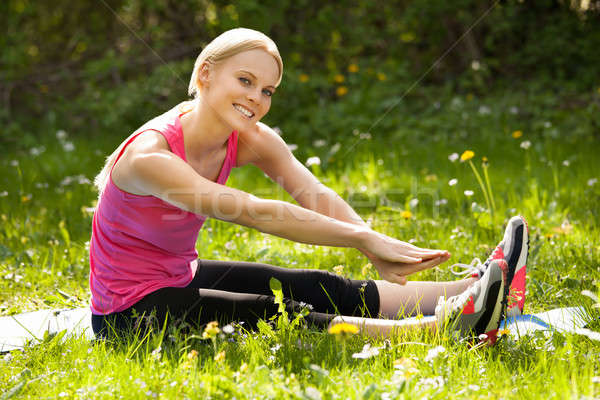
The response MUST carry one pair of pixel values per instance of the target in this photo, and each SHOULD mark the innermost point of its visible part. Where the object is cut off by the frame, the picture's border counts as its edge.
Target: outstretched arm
(279, 163)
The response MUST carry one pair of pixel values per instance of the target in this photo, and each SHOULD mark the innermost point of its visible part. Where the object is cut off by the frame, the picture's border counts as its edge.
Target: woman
(162, 182)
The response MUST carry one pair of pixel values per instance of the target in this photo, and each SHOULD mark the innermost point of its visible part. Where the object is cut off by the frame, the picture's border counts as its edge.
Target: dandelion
(590, 182)
(315, 160)
(475, 65)
(503, 332)
(228, 329)
(5, 193)
(211, 330)
(342, 329)
(353, 68)
(366, 269)
(339, 269)
(467, 155)
(431, 178)
(220, 357)
(303, 78)
(61, 134)
(484, 162)
(484, 110)
(434, 353)
(452, 182)
(566, 163)
(406, 214)
(339, 78)
(517, 134)
(413, 203)
(68, 146)
(407, 37)
(405, 367)
(525, 144)
(453, 157)
(381, 76)
(26, 198)
(341, 91)
(192, 355)
(366, 352)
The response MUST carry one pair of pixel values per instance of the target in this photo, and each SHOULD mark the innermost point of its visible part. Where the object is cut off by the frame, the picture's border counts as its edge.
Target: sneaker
(478, 310)
(516, 245)
(513, 248)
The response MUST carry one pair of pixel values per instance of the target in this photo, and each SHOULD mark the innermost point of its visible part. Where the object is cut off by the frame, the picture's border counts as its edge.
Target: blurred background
(103, 67)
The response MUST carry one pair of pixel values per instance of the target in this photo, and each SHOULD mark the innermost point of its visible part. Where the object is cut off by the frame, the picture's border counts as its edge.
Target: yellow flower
(211, 330)
(342, 329)
(341, 91)
(352, 68)
(484, 162)
(467, 155)
(517, 134)
(470, 96)
(502, 332)
(303, 78)
(192, 355)
(406, 214)
(220, 356)
(381, 76)
(24, 239)
(25, 199)
(339, 78)
(407, 37)
(431, 178)
(405, 367)
(338, 269)
(419, 317)
(366, 269)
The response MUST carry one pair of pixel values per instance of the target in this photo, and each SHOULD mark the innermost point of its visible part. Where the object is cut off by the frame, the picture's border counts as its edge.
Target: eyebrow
(254, 76)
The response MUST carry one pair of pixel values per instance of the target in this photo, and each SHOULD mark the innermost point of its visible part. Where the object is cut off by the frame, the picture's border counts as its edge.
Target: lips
(243, 110)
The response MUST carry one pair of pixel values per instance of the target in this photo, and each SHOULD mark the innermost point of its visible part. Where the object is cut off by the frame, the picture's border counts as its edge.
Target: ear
(204, 75)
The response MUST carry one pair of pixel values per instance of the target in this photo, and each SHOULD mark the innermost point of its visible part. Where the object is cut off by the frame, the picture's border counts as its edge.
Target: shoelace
(475, 265)
(468, 269)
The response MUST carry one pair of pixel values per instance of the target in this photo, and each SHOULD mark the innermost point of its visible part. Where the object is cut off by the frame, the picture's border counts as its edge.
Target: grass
(45, 201)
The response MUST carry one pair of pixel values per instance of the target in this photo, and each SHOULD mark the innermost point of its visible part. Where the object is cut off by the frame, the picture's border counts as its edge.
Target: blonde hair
(226, 45)
(230, 43)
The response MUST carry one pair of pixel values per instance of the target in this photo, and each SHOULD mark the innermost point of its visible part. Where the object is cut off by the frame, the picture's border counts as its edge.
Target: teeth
(244, 110)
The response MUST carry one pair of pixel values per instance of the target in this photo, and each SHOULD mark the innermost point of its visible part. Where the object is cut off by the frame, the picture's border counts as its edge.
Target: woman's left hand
(397, 272)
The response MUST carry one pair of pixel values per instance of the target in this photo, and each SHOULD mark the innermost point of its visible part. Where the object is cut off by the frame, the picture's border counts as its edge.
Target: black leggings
(230, 291)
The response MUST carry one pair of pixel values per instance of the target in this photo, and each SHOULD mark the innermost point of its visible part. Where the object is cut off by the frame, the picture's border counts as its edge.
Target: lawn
(541, 150)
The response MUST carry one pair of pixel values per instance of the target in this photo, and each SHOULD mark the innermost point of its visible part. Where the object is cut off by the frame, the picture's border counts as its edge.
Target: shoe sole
(517, 256)
(495, 305)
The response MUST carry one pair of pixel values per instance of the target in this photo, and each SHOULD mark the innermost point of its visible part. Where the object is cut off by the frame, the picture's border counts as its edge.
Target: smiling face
(239, 89)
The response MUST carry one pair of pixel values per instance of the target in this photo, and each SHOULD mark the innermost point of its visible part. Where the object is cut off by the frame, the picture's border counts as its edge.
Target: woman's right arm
(152, 170)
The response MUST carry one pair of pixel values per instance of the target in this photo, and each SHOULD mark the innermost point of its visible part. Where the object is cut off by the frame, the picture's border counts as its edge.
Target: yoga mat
(17, 330)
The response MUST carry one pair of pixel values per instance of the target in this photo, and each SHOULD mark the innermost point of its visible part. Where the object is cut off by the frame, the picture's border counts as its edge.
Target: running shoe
(479, 309)
(513, 248)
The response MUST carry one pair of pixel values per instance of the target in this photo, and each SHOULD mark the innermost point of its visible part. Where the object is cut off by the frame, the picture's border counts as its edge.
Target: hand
(386, 248)
(396, 272)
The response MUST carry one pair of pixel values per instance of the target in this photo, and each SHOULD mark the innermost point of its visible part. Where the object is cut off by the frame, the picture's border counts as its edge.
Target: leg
(397, 301)
(197, 307)
(326, 292)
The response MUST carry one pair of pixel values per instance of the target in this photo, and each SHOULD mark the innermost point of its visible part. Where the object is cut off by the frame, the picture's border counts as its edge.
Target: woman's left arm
(273, 157)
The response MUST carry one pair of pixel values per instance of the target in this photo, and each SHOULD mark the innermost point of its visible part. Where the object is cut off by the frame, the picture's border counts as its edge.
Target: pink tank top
(140, 244)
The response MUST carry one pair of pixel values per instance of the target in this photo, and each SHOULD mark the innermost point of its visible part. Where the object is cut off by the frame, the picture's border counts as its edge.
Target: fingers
(412, 268)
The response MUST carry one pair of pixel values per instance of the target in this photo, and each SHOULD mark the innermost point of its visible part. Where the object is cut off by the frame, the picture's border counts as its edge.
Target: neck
(203, 131)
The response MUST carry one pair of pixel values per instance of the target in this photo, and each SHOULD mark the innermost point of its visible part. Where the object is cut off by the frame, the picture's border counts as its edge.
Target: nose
(254, 95)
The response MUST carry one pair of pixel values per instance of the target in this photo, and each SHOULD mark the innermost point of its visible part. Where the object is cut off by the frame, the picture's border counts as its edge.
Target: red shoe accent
(492, 337)
(517, 289)
(469, 307)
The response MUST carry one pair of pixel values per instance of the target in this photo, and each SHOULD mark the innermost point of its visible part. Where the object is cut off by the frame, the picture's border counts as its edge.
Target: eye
(267, 92)
(245, 81)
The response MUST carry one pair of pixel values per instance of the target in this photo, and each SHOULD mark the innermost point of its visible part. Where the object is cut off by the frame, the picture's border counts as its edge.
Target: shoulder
(259, 144)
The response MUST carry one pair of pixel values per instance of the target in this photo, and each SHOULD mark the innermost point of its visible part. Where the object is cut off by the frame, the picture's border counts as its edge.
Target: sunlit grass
(45, 201)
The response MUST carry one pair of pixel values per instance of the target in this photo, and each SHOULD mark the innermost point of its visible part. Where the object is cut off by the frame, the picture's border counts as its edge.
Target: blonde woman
(163, 181)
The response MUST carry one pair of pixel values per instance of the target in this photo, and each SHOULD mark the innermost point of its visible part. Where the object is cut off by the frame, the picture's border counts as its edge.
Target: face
(239, 89)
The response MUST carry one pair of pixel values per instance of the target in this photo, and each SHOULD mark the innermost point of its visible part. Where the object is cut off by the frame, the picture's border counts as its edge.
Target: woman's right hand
(392, 250)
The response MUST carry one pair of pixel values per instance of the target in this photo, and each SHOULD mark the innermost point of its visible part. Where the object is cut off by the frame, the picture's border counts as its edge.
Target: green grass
(46, 225)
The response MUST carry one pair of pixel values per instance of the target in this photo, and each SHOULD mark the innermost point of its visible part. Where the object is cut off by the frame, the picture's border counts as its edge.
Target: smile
(244, 110)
